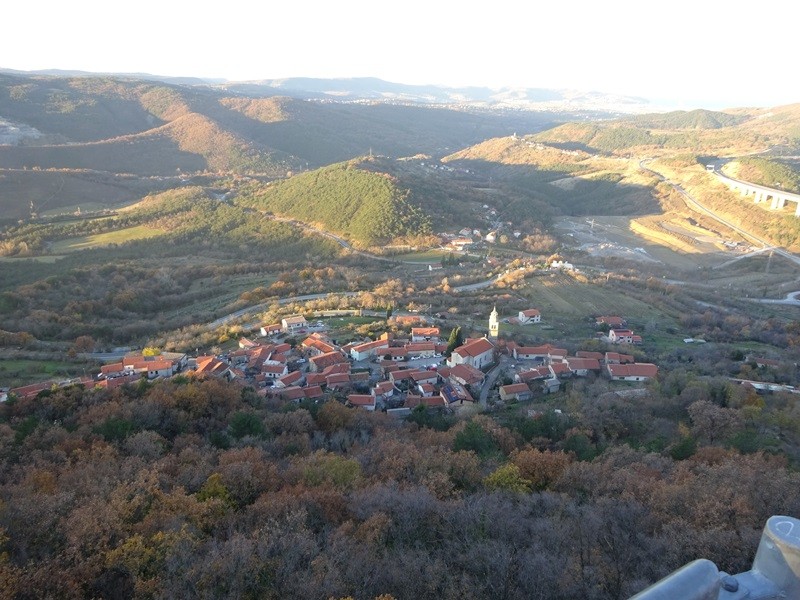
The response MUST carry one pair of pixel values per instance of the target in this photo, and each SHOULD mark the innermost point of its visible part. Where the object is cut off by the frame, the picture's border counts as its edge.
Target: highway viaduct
(778, 198)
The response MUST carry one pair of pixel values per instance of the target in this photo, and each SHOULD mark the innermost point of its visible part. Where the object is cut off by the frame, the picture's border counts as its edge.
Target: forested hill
(180, 489)
(113, 124)
(732, 132)
(363, 205)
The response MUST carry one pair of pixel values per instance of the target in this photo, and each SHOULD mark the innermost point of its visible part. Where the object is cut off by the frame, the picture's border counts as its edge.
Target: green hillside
(769, 172)
(693, 119)
(697, 131)
(366, 206)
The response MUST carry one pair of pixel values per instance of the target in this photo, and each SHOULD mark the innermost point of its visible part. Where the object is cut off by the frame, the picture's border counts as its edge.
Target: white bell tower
(494, 324)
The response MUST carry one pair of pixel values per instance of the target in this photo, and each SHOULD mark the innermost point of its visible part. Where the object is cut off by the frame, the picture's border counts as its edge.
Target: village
(297, 360)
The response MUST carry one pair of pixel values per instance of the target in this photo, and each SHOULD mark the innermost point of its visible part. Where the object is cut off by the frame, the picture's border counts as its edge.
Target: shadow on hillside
(564, 190)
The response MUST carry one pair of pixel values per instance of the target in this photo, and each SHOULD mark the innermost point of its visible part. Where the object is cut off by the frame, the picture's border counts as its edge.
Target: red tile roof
(515, 388)
(467, 373)
(328, 359)
(577, 364)
(361, 399)
(474, 348)
(633, 370)
(425, 331)
(413, 401)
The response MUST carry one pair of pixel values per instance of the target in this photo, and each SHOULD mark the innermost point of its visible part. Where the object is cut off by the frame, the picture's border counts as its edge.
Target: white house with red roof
(271, 329)
(631, 372)
(294, 323)
(515, 391)
(365, 401)
(543, 353)
(476, 353)
(369, 349)
(425, 334)
(532, 315)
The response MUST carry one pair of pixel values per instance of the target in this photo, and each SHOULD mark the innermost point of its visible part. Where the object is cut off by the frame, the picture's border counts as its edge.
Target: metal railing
(775, 574)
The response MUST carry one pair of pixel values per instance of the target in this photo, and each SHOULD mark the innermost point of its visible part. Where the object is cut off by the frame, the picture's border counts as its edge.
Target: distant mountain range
(374, 89)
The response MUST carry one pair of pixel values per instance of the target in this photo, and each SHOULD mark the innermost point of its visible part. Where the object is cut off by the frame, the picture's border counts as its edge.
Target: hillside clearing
(120, 236)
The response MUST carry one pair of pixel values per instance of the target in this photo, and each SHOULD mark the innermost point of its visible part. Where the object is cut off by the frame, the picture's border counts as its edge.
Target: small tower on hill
(494, 324)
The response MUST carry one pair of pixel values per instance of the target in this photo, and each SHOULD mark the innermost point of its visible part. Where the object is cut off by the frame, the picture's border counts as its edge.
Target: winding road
(694, 204)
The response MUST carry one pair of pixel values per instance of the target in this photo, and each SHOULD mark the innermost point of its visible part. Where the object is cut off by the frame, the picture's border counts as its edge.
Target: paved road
(264, 305)
(693, 203)
(482, 284)
(491, 377)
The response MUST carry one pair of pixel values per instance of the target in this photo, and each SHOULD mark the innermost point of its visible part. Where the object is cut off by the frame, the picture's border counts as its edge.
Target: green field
(120, 236)
(50, 258)
(424, 257)
(18, 372)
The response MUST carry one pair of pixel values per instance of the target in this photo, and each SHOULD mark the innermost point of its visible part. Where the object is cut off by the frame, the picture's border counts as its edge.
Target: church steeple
(494, 324)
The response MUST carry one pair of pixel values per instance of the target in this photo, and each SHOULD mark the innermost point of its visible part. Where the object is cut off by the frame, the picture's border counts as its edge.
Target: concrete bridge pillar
(759, 197)
(778, 202)
(797, 210)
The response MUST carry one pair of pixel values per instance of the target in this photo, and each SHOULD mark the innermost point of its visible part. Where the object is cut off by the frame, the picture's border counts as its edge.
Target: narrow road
(264, 305)
(491, 377)
(694, 204)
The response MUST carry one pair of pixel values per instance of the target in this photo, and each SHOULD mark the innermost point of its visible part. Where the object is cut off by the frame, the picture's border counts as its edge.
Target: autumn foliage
(204, 489)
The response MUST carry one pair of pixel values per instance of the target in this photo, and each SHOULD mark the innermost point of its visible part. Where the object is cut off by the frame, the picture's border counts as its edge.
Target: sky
(685, 53)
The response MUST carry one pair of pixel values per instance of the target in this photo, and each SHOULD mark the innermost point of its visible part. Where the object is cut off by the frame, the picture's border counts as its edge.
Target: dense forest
(369, 207)
(204, 489)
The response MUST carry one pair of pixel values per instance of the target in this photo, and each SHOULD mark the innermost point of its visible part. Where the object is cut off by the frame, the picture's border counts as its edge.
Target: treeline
(188, 488)
(771, 173)
(366, 206)
(210, 252)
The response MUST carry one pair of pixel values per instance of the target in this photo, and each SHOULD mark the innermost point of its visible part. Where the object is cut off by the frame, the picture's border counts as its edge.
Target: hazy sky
(689, 52)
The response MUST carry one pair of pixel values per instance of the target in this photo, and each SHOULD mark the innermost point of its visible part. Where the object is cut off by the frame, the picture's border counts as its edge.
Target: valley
(338, 333)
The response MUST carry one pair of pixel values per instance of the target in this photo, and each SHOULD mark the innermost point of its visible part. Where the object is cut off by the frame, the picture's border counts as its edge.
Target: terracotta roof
(367, 346)
(515, 388)
(113, 368)
(27, 391)
(578, 363)
(290, 378)
(115, 382)
(467, 373)
(545, 350)
(313, 391)
(425, 331)
(315, 378)
(413, 401)
(337, 379)
(383, 387)
(328, 359)
(559, 368)
(616, 357)
(424, 375)
(292, 392)
(539, 373)
(633, 370)
(361, 399)
(296, 320)
(270, 368)
(400, 374)
(421, 347)
(474, 348)
(531, 312)
(343, 367)
(587, 354)
(610, 320)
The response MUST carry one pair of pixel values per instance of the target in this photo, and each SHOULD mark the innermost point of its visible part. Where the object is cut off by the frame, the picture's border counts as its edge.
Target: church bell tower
(494, 324)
